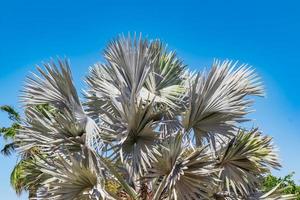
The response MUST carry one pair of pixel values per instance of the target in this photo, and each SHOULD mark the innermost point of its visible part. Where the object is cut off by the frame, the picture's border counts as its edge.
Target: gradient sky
(264, 34)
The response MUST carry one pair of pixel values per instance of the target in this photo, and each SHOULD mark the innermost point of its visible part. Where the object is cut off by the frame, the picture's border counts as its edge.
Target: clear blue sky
(265, 34)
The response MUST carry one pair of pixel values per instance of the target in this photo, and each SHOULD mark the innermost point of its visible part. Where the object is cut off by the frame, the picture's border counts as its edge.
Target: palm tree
(9, 134)
(19, 179)
(147, 129)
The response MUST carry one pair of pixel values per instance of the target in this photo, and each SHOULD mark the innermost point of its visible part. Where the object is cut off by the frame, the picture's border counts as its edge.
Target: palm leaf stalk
(148, 126)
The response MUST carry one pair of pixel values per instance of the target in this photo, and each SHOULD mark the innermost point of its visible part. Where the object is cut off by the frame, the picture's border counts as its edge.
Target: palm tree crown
(147, 129)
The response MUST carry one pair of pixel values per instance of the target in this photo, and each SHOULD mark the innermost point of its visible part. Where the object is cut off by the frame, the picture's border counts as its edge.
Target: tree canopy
(147, 128)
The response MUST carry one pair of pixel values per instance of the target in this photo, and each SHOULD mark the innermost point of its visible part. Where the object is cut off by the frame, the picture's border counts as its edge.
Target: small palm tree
(19, 179)
(147, 129)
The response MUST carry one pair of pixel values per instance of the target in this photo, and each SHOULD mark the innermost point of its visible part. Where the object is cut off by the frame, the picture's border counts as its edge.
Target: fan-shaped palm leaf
(139, 137)
(186, 172)
(77, 176)
(217, 100)
(50, 132)
(120, 80)
(164, 83)
(55, 87)
(131, 62)
(245, 158)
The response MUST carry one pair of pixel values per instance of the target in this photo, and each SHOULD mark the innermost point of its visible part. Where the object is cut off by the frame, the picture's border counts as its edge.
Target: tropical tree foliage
(287, 184)
(147, 129)
(19, 179)
(8, 133)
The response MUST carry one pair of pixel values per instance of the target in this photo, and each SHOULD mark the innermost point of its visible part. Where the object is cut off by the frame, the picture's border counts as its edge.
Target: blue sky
(264, 34)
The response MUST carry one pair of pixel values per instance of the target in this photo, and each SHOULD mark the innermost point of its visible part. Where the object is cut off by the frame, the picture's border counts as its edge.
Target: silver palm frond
(120, 80)
(131, 60)
(186, 172)
(104, 90)
(244, 159)
(55, 87)
(50, 131)
(139, 137)
(164, 83)
(135, 133)
(73, 177)
(218, 99)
